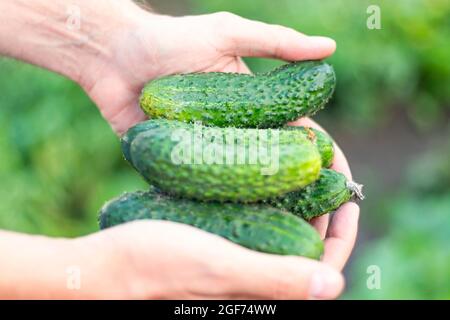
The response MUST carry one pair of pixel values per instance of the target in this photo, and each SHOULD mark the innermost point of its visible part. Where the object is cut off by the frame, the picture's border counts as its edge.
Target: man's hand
(154, 46)
(340, 234)
(112, 48)
(113, 51)
(166, 260)
(214, 42)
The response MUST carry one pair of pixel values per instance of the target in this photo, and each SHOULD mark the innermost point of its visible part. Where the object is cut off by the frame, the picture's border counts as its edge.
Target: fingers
(321, 224)
(306, 122)
(266, 276)
(243, 37)
(213, 267)
(342, 229)
(340, 163)
(341, 235)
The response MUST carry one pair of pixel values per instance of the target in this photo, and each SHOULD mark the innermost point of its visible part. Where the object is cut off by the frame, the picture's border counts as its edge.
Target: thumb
(267, 276)
(243, 37)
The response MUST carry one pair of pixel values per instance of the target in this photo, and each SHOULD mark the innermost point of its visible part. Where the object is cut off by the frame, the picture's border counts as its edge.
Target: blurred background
(60, 161)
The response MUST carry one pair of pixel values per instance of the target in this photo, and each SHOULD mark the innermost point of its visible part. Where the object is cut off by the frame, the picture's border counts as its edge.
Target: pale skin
(114, 49)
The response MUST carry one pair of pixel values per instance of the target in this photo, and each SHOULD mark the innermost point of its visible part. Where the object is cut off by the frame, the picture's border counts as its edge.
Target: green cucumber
(266, 100)
(326, 194)
(133, 132)
(242, 174)
(322, 140)
(258, 227)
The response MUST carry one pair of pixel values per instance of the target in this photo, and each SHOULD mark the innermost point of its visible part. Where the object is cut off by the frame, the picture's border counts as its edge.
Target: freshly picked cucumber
(219, 141)
(258, 227)
(221, 164)
(265, 100)
(322, 140)
(326, 194)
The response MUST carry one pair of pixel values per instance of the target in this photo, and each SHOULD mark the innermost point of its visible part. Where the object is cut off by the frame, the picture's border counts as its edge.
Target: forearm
(38, 267)
(61, 35)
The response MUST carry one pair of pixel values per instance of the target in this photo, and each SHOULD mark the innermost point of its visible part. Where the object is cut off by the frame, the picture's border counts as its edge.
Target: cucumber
(132, 133)
(322, 140)
(242, 174)
(266, 100)
(258, 227)
(326, 194)
(234, 117)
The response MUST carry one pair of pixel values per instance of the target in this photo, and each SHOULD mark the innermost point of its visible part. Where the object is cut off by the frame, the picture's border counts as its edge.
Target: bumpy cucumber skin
(151, 154)
(322, 140)
(266, 100)
(134, 131)
(258, 227)
(324, 195)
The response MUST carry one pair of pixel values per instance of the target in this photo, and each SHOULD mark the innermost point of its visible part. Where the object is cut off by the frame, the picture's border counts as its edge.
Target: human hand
(118, 48)
(160, 259)
(167, 260)
(151, 259)
(210, 43)
(197, 264)
(148, 46)
(340, 234)
(112, 48)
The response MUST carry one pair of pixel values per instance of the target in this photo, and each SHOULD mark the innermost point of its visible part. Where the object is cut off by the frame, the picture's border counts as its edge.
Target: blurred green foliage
(405, 63)
(413, 256)
(59, 159)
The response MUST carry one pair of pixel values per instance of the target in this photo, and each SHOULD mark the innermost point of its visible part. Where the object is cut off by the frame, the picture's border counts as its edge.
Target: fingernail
(325, 285)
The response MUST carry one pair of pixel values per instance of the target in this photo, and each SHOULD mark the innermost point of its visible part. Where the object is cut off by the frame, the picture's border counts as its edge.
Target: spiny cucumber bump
(322, 140)
(240, 100)
(151, 154)
(258, 227)
(326, 194)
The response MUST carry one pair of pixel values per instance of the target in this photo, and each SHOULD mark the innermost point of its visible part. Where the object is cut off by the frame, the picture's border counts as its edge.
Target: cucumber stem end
(356, 189)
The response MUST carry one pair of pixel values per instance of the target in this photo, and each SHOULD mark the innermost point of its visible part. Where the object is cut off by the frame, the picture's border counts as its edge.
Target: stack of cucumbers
(218, 155)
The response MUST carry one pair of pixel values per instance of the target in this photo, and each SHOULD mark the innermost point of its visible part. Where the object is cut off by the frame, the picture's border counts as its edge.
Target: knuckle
(223, 24)
(278, 47)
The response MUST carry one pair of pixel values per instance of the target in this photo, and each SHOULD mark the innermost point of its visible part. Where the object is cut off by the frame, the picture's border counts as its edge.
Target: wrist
(57, 268)
(132, 30)
(60, 35)
(34, 271)
(99, 31)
